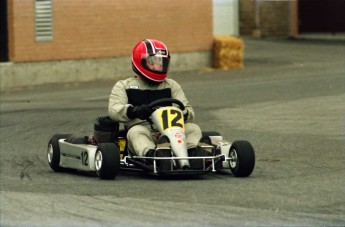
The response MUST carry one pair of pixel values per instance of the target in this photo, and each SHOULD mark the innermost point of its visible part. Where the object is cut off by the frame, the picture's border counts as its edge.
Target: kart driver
(129, 101)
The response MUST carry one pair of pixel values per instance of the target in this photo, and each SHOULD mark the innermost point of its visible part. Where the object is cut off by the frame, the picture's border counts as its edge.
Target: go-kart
(107, 158)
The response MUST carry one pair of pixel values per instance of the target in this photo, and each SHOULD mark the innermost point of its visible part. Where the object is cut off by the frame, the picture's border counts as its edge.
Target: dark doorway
(321, 16)
(3, 31)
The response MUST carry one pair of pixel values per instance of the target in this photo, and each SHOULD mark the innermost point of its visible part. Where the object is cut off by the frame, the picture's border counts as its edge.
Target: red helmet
(150, 59)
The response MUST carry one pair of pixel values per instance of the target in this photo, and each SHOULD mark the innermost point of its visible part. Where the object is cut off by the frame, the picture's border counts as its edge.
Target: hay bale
(228, 52)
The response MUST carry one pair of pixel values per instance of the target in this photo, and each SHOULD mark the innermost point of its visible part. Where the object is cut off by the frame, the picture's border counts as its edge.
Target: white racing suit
(135, 92)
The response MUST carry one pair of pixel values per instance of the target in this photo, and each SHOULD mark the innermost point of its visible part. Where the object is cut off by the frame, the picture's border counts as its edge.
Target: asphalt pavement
(288, 101)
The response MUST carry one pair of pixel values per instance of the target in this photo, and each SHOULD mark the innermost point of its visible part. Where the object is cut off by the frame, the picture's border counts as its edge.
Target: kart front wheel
(242, 158)
(53, 152)
(107, 160)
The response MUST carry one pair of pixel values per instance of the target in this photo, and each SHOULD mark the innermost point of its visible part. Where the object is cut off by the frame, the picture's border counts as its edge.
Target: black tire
(206, 136)
(53, 152)
(107, 160)
(243, 156)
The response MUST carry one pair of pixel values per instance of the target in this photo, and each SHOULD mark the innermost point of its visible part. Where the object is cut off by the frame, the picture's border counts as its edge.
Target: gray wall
(16, 75)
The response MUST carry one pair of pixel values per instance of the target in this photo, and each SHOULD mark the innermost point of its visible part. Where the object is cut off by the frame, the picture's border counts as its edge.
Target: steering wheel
(166, 102)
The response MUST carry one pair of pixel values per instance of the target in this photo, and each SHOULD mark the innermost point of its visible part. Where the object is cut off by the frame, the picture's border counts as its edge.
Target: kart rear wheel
(107, 160)
(53, 152)
(242, 158)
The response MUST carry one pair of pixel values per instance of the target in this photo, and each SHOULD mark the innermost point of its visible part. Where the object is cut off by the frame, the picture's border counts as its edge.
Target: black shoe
(150, 154)
(197, 164)
(163, 150)
(163, 165)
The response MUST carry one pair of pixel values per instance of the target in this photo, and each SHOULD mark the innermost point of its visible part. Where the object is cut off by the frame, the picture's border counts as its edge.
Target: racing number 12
(173, 117)
(84, 158)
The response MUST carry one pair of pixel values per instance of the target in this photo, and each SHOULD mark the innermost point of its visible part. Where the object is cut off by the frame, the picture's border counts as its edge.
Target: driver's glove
(142, 112)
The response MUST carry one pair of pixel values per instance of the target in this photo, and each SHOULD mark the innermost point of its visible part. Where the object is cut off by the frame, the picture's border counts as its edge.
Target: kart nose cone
(184, 163)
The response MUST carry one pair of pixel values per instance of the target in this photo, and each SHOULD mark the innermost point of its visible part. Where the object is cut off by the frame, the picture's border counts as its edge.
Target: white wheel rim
(98, 160)
(233, 158)
(50, 153)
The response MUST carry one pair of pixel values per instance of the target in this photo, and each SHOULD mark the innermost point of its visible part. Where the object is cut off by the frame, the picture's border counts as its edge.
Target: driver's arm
(118, 103)
(177, 93)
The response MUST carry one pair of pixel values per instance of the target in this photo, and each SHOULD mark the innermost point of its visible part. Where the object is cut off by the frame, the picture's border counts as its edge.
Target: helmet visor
(156, 63)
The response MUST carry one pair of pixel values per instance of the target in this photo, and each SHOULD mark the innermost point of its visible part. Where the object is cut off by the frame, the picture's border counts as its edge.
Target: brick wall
(273, 17)
(246, 17)
(109, 28)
